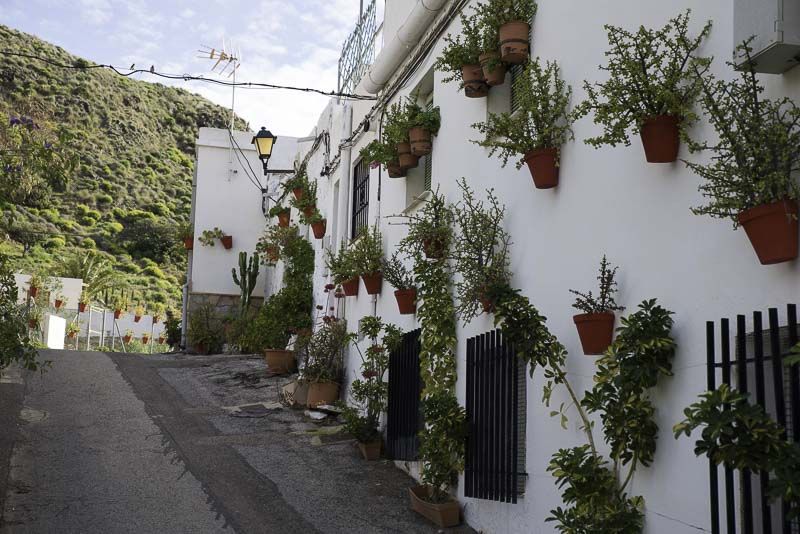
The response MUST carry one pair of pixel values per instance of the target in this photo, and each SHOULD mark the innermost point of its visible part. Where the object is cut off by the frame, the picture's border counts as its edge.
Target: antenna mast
(226, 62)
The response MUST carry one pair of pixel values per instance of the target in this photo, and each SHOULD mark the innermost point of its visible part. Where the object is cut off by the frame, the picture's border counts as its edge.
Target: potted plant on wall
(400, 276)
(511, 19)
(138, 313)
(378, 152)
(128, 336)
(343, 269)
(186, 234)
(317, 223)
(275, 239)
(145, 339)
(538, 128)
(283, 213)
(368, 256)
(208, 237)
(297, 184)
(653, 83)
(396, 131)
(369, 392)
(58, 301)
(493, 68)
(750, 177)
(34, 317)
(422, 124)
(35, 282)
(84, 301)
(119, 304)
(307, 204)
(73, 329)
(430, 229)
(596, 323)
(323, 361)
(460, 58)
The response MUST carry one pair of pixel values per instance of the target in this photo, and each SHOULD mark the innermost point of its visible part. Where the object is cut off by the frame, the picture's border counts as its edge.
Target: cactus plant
(246, 279)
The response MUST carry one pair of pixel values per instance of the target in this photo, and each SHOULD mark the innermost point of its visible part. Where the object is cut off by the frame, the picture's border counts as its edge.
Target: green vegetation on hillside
(132, 187)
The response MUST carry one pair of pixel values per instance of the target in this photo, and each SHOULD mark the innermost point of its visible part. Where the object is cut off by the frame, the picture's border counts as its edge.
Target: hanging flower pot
(351, 287)
(475, 85)
(161, 340)
(319, 228)
(227, 241)
(298, 193)
(373, 282)
(320, 393)
(543, 164)
(145, 339)
(494, 71)
(394, 169)
(596, 331)
(772, 230)
(58, 303)
(81, 307)
(660, 138)
(405, 157)
(33, 323)
(515, 42)
(308, 211)
(33, 291)
(420, 140)
(127, 339)
(446, 514)
(279, 361)
(433, 248)
(188, 242)
(273, 253)
(117, 314)
(283, 218)
(137, 318)
(370, 450)
(406, 300)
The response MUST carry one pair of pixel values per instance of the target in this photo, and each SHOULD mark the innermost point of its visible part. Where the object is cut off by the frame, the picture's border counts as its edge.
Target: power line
(184, 77)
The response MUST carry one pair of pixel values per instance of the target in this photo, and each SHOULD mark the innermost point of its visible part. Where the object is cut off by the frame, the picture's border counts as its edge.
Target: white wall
(609, 201)
(71, 289)
(226, 198)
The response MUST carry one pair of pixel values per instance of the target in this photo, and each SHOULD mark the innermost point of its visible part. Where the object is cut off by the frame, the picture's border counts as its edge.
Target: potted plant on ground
(429, 229)
(481, 253)
(596, 323)
(35, 282)
(538, 128)
(422, 124)
(128, 336)
(283, 213)
(512, 21)
(204, 331)
(460, 58)
(186, 234)
(400, 276)
(73, 329)
(343, 269)
(654, 79)
(369, 392)
(323, 361)
(368, 256)
(750, 178)
(84, 300)
(378, 152)
(138, 313)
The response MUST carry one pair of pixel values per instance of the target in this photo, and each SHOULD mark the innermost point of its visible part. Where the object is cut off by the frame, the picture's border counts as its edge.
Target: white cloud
(96, 12)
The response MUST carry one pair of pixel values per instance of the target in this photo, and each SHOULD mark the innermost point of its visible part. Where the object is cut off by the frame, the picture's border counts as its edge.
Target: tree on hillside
(96, 272)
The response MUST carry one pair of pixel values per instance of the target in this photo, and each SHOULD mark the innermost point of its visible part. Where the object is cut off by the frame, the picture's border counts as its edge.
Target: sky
(289, 42)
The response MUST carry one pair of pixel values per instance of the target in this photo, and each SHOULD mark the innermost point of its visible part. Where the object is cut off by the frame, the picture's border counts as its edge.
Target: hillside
(132, 187)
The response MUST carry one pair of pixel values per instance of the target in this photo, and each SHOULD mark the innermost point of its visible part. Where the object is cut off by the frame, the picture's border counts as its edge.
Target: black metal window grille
(516, 72)
(360, 198)
(496, 412)
(754, 364)
(404, 418)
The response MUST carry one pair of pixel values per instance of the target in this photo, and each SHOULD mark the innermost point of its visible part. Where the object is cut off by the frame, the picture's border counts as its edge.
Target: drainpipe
(398, 48)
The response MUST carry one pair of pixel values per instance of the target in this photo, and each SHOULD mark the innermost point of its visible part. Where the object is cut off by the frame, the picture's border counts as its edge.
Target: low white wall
(71, 290)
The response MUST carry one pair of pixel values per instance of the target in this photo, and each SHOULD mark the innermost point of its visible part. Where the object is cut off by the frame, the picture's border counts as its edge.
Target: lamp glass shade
(264, 142)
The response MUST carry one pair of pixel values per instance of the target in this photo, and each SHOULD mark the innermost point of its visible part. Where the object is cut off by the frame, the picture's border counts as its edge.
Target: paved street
(121, 443)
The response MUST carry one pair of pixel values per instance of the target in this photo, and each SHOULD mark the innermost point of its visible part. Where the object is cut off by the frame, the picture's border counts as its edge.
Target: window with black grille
(404, 418)
(516, 72)
(496, 412)
(360, 198)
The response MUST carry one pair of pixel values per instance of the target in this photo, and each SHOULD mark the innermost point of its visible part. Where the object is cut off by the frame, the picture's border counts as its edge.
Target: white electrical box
(774, 26)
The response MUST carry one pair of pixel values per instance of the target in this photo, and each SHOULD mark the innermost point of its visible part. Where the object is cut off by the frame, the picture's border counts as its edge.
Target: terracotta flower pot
(188, 243)
(394, 169)
(487, 304)
(117, 314)
(373, 282)
(660, 138)
(320, 393)
(283, 218)
(493, 71)
(420, 140)
(319, 229)
(371, 450)
(772, 230)
(33, 323)
(227, 241)
(127, 339)
(161, 340)
(515, 42)
(406, 159)
(445, 514)
(406, 300)
(58, 303)
(33, 291)
(137, 318)
(71, 335)
(433, 248)
(273, 254)
(596, 331)
(145, 339)
(81, 307)
(298, 193)
(475, 85)
(280, 361)
(351, 287)
(543, 164)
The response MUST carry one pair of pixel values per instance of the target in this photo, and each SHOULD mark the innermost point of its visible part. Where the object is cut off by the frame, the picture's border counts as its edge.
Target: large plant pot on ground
(475, 85)
(543, 164)
(406, 300)
(351, 287)
(515, 41)
(772, 230)
(596, 331)
(373, 282)
(494, 71)
(420, 140)
(445, 514)
(406, 158)
(660, 138)
(320, 393)
(370, 450)
(279, 361)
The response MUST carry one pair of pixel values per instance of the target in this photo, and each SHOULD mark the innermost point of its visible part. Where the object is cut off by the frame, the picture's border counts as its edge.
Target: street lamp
(264, 142)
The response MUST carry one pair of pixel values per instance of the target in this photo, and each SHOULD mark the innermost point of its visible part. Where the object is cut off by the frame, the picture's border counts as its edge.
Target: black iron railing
(404, 418)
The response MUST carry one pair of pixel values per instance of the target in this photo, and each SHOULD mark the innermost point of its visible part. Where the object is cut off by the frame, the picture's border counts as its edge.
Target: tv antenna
(227, 61)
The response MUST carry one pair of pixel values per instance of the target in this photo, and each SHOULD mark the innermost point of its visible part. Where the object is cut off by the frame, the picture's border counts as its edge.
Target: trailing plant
(323, 352)
(277, 209)
(430, 226)
(208, 237)
(308, 200)
(758, 151)
(481, 251)
(368, 251)
(542, 120)
(246, 280)
(16, 346)
(650, 73)
(275, 237)
(741, 435)
(419, 117)
(604, 302)
(342, 265)
(378, 152)
(462, 49)
(396, 273)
